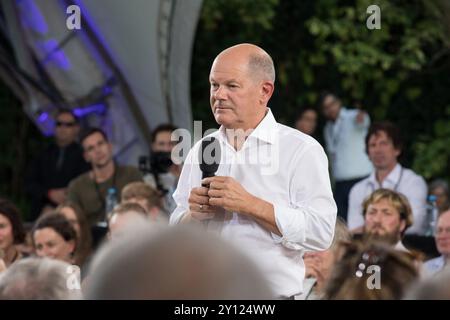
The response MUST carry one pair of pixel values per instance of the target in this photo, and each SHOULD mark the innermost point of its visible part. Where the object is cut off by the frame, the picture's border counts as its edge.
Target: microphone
(209, 156)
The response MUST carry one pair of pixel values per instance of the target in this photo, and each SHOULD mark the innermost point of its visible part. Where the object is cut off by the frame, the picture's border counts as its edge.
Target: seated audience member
(51, 172)
(54, 237)
(442, 237)
(146, 196)
(433, 288)
(78, 221)
(39, 279)
(371, 271)
(320, 264)
(11, 234)
(306, 121)
(439, 188)
(89, 190)
(384, 146)
(180, 262)
(387, 215)
(125, 215)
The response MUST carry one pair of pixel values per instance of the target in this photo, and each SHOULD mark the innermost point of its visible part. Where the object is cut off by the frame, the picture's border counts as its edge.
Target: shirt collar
(265, 131)
(393, 177)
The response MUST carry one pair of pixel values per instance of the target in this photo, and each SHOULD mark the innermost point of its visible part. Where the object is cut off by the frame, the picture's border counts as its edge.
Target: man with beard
(384, 146)
(387, 215)
(89, 190)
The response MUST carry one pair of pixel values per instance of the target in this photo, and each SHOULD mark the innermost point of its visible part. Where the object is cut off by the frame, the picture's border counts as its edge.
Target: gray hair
(38, 279)
(434, 287)
(179, 262)
(262, 65)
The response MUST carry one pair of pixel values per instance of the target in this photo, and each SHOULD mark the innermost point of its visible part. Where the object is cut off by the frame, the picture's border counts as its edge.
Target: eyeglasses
(65, 124)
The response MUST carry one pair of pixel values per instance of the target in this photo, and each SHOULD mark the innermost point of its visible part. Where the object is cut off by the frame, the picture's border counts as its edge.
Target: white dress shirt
(399, 179)
(345, 141)
(287, 168)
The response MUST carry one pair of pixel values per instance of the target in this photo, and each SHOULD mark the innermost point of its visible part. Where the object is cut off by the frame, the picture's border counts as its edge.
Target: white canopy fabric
(129, 63)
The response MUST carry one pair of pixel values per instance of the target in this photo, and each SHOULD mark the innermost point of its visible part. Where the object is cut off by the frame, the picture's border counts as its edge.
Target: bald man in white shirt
(271, 193)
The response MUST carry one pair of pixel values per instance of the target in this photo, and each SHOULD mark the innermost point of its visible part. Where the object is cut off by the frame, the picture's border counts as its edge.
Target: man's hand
(227, 193)
(312, 266)
(199, 206)
(57, 196)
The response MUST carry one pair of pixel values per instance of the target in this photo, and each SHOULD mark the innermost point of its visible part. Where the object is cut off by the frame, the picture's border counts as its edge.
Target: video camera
(157, 163)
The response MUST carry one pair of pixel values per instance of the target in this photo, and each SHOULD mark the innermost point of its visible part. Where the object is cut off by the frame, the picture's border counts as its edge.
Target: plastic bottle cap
(432, 197)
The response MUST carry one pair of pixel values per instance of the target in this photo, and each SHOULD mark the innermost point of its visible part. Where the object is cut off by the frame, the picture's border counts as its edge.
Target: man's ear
(266, 91)
(402, 225)
(72, 246)
(86, 157)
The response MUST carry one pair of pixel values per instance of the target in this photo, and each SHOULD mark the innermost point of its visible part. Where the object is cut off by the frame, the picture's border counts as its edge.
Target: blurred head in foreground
(434, 288)
(371, 271)
(180, 262)
(40, 279)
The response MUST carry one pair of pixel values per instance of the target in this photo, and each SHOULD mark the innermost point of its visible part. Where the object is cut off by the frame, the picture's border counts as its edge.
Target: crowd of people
(144, 234)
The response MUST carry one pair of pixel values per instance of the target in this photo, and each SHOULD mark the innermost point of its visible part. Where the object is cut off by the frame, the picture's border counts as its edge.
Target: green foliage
(432, 151)
(400, 72)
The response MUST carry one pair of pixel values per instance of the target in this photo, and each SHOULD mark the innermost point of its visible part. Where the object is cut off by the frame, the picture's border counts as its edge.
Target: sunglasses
(65, 124)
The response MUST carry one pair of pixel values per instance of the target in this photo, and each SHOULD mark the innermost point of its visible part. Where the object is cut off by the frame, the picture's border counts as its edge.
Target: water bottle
(111, 202)
(432, 215)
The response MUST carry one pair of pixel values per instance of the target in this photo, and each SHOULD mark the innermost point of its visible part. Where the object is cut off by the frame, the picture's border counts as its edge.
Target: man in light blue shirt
(344, 135)
(442, 237)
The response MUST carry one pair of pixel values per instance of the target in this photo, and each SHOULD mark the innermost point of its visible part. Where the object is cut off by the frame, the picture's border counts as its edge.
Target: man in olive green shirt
(89, 190)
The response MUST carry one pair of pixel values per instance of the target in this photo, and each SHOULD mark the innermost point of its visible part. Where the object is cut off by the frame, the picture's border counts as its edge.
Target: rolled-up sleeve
(308, 222)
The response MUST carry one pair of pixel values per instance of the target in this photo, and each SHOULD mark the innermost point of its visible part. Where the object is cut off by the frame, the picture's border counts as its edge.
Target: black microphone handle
(207, 175)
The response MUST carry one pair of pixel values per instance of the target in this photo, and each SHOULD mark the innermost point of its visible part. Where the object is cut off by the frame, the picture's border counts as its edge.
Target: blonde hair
(396, 199)
(141, 190)
(128, 207)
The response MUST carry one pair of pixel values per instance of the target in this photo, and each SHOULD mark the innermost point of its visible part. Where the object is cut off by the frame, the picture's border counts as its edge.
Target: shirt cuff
(291, 224)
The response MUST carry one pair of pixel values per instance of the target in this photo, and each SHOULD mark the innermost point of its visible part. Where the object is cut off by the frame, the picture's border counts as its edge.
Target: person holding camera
(159, 170)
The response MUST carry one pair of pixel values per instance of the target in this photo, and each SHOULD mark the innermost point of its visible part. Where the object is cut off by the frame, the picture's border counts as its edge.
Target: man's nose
(376, 218)
(45, 252)
(219, 94)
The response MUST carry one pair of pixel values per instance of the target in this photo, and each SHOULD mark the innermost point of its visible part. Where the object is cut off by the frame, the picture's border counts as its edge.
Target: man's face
(381, 151)
(163, 142)
(331, 107)
(383, 222)
(66, 130)
(443, 234)
(234, 94)
(97, 150)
